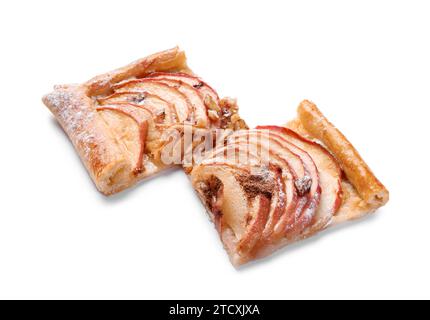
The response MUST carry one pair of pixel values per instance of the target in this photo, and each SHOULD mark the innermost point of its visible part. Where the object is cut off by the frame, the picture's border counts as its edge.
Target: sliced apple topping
(302, 167)
(162, 110)
(329, 172)
(194, 98)
(161, 102)
(195, 82)
(222, 113)
(167, 93)
(128, 134)
(149, 117)
(276, 186)
(242, 206)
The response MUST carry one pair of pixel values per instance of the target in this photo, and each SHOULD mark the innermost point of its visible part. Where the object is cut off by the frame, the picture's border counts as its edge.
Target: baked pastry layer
(271, 186)
(117, 120)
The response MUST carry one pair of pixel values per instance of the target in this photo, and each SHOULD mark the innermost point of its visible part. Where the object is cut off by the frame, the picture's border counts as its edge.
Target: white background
(365, 63)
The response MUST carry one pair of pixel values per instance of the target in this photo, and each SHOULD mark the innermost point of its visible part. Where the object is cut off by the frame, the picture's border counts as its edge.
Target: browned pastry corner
(116, 120)
(271, 186)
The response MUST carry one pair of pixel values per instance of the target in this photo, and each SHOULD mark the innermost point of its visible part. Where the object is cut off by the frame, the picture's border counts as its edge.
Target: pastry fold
(105, 160)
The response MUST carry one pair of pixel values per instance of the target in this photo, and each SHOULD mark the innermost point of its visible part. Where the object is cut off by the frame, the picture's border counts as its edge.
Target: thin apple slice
(160, 108)
(195, 82)
(140, 117)
(330, 176)
(256, 222)
(167, 93)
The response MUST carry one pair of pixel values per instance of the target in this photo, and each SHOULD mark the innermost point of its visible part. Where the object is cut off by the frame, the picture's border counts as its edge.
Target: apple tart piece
(271, 186)
(116, 121)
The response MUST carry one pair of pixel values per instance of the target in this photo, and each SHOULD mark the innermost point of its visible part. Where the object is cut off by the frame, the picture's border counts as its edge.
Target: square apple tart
(263, 188)
(271, 186)
(116, 120)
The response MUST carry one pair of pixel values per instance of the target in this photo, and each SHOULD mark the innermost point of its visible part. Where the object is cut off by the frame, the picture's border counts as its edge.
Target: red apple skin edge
(184, 75)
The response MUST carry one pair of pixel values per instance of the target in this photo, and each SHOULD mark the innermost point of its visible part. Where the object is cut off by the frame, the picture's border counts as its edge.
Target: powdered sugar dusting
(75, 117)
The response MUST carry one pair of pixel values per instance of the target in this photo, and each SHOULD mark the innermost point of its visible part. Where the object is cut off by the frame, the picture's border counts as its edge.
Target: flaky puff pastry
(115, 120)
